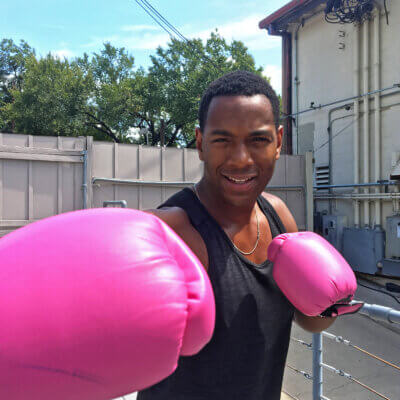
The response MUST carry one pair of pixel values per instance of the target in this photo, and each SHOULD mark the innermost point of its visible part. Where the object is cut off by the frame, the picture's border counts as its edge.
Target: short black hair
(238, 83)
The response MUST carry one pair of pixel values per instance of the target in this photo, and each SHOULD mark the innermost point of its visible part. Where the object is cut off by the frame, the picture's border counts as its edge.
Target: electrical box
(364, 248)
(393, 237)
(332, 229)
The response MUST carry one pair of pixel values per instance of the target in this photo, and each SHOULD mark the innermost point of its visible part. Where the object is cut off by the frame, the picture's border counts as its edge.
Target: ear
(199, 143)
(279, 139)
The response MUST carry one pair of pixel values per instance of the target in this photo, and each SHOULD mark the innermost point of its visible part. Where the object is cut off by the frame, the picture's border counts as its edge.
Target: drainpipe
(356, 131)
(296, 83)
(377, 128)
(366, 119)
(85, 183)
(330, 144)
(287, 89)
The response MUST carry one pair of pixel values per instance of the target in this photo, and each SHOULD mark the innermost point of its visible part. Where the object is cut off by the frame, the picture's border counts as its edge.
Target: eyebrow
(262, 132)
(221, 132)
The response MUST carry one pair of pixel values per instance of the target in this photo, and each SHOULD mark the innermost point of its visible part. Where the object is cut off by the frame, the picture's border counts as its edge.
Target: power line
(155, 19)
(165, 21)
(172, 31)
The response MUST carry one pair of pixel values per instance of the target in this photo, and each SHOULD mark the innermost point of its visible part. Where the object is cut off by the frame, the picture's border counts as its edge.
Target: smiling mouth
(239, 180)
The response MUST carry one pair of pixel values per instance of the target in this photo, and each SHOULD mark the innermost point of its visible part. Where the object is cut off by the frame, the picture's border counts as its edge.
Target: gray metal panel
(151, 198)
(290, 171)
(393, 236)
(49, 142)
(150, 167)
(295, 200)
(12, 139)
(173, 165)
(15, 189)
(332, 229)
(130, 194)
(193, 166)
(103, 159)
(306, 137)
(363, 248)
(68, 185)
(391, 267)
(127, 161)
(31, 189)
(45, 185)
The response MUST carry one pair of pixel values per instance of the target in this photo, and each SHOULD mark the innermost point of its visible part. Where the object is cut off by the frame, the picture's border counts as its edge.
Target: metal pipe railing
(140, 182)
(317, 369)
(373, 310)
(121, 203)
(381, 313)
(359, 196)
(353, 185)
(366, 94)
(84, 184)
(116, 181)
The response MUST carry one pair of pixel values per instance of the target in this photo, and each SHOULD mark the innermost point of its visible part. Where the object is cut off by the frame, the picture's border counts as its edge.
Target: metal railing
(373, 310)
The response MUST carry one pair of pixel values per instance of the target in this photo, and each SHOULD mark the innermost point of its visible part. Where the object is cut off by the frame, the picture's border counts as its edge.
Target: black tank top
(246, 356)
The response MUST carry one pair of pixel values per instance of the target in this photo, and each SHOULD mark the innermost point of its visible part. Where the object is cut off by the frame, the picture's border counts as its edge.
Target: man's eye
(261, 139)
(220, 140)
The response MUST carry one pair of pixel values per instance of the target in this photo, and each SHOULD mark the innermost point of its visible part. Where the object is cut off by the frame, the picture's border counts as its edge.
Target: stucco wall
(326, 73)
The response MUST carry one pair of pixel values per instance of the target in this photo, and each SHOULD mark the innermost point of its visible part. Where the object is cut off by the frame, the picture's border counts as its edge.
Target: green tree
(103, 95)
(54, 94)
(107, 112)
(168, 95)
(13, 59)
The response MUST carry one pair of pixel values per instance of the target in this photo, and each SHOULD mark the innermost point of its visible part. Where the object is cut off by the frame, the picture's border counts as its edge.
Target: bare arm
(310, 324)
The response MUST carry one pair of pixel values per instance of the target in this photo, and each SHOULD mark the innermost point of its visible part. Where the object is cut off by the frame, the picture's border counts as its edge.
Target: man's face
(239, 147)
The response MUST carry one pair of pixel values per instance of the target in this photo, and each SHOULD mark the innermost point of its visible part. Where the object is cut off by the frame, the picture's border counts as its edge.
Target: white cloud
(274, 72)
(63, 53)
(149, 37)
(247, 31)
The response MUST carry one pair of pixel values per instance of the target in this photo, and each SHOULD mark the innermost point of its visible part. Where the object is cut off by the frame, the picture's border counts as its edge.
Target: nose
(240, 156)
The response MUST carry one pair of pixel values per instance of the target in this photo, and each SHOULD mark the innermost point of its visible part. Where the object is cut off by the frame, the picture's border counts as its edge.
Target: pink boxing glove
(96, 304)
(313, 275)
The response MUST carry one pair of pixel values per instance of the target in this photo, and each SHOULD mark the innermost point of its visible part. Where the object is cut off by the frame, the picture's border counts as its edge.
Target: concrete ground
(381, 339)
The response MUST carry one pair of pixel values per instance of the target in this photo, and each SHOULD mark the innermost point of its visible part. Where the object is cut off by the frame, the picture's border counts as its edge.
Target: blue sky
(70, 27)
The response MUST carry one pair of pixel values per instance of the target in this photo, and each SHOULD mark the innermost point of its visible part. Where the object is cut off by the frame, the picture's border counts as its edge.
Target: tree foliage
(13, 59)
(54, 93)
(104, 95)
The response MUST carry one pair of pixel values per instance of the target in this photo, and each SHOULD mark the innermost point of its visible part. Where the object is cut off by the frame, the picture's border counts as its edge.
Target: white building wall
(325, 70)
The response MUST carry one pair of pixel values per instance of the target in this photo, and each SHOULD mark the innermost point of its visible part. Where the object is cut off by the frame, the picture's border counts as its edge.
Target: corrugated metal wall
(39, 176)
(42, 176)
(149, 165)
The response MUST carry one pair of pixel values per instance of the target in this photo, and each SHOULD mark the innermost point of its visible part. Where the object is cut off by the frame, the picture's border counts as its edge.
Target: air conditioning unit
(332, 229)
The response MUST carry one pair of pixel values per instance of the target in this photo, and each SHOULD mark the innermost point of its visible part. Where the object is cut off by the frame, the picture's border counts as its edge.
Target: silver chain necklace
(246, 253)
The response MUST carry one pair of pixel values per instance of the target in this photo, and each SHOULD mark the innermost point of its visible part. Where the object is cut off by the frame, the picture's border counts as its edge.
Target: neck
(225, 213)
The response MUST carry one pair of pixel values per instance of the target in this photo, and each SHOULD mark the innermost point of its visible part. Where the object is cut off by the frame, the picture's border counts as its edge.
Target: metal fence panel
(39, 176)
(42, 176)
(288, 183)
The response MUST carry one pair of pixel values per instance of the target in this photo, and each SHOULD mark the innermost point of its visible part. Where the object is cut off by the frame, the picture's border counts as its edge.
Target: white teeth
(238, 180)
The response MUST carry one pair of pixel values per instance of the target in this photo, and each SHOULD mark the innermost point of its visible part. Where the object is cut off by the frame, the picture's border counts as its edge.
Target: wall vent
(321, 175)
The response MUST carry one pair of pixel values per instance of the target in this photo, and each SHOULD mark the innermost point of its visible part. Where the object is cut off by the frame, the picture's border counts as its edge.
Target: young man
(228, 221)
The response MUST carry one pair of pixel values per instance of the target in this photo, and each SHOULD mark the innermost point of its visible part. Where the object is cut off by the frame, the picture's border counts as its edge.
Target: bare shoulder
(179, 221)
(175, 217)
(282, 210)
